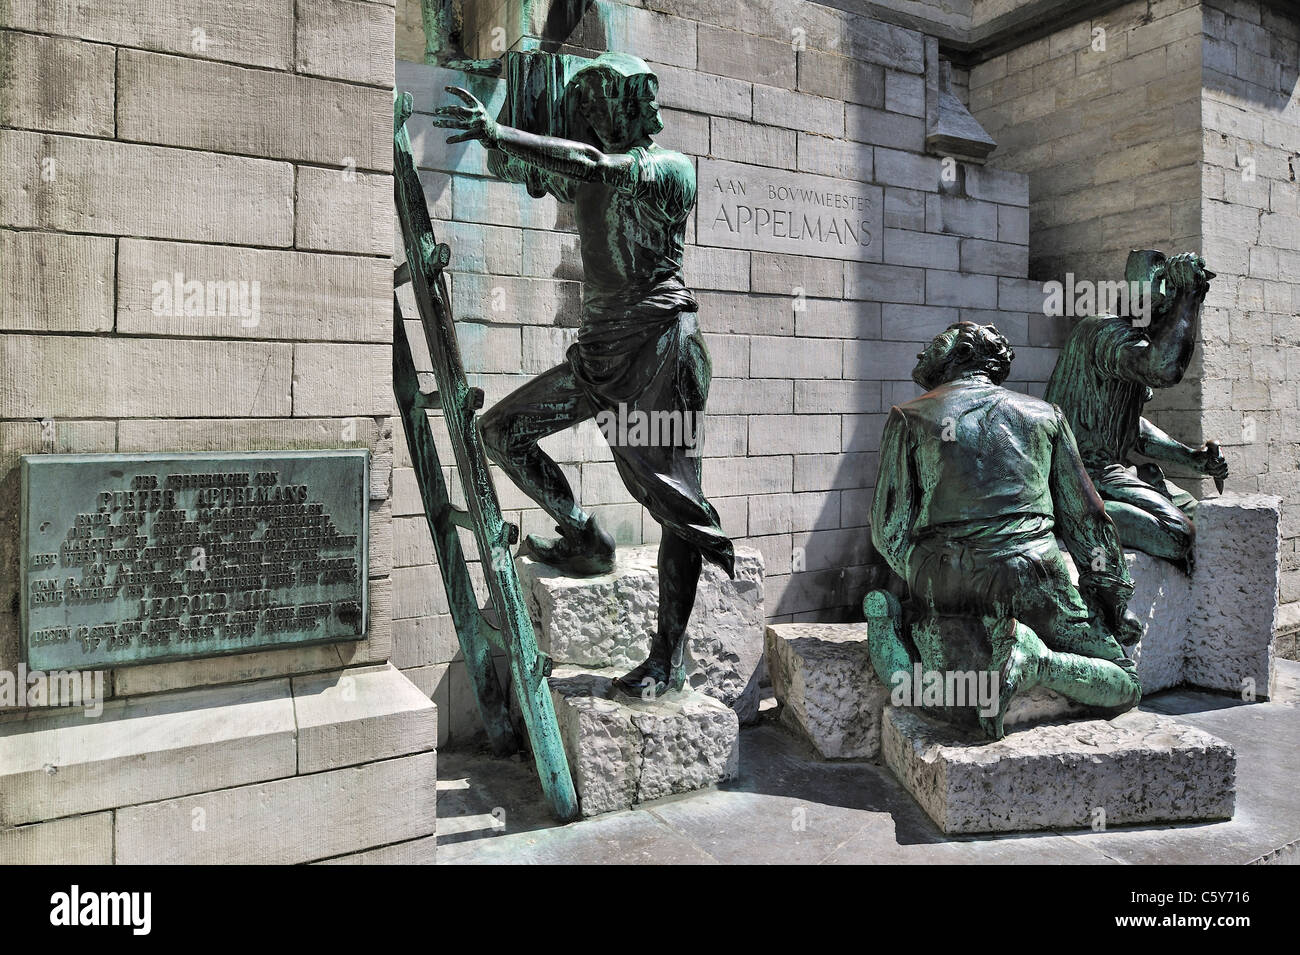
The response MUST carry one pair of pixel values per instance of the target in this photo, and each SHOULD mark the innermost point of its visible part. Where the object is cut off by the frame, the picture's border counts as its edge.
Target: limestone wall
(1182, 133)
(240, 141)
(1250, 211)
(802, 381)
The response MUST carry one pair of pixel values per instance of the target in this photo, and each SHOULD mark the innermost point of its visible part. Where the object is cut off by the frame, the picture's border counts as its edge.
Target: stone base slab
(277, 771)
(830, 694)
(606, 622)
(1136, 768)
(623, 750)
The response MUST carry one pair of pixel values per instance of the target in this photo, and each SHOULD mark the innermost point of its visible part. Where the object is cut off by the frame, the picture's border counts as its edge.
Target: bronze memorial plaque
(140, 558)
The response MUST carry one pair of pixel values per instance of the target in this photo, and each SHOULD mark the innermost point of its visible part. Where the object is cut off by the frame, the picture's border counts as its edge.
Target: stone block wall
(1250, 212)
(243, 141)
(1183, 133)
(808, 351)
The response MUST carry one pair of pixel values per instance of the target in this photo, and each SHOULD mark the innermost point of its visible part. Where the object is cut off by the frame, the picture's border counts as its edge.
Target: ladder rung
(461, 518)
(401, 275)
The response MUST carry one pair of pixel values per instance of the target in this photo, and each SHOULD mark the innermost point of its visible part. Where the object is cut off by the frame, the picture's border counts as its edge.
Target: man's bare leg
(544, 406)
(679, 574)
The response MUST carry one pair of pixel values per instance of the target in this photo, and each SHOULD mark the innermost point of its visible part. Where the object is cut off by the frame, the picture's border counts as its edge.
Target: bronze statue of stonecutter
(1105, 374)
(639, 353)
(975, 483)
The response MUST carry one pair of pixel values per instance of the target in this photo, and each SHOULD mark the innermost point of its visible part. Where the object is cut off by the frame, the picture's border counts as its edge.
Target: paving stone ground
(787, 806)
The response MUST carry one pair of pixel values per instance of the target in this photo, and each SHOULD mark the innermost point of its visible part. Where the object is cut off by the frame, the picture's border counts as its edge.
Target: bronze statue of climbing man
(639, 363)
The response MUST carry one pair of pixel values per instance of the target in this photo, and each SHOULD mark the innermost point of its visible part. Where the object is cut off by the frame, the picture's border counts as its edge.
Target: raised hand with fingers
(473, 118)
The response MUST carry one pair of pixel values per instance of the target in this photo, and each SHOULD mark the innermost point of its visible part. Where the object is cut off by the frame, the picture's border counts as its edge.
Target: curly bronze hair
(963, 347)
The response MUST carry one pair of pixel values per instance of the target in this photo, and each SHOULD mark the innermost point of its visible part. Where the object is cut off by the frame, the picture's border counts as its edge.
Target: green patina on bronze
(1106, 372)
(512, 627)
(639, 356)
(975, 483)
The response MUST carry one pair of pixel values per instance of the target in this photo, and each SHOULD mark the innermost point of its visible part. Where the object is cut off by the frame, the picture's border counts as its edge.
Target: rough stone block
(607, 621)
(1238, 568)
(623, 751)
(822, 675)
(830, 693)
(1161, 597)
(1137, 768)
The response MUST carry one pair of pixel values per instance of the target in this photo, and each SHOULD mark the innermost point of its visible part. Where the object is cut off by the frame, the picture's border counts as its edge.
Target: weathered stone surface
(624, 750)
(1214, 629)
(60, 762)
(359, 715)
(1230, 629)
(75, 840)
(56, 84)
(414, 852)
(119, 188)
(830, 694)
(338, 210)
(285, 821)
(822, 675)
(177, 101)
(56, 283)
(1161, 597)
(253, 293)
(1139, 767)
(346, 40)
(245, 31)
(607, 621)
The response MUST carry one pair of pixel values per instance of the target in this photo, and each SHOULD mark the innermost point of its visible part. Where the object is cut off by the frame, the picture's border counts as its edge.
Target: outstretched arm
(565, 157)
(1162, 358)
(1155, 444)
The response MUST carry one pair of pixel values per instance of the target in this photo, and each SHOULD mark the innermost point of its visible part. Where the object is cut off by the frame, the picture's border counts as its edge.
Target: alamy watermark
(964, 688)
(635, 428)
(1078, 298)
(84, 688)
(191, 298)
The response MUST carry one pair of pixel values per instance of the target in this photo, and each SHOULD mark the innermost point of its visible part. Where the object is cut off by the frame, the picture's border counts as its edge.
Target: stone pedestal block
(1238, 571)
(1214, 629)
(1162, 596)
(822, 675)
(607, 621)
(1137, 768)
(623, 750)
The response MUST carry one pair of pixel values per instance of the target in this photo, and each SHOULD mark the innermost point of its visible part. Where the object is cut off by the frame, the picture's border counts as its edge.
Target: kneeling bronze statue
(975, 483)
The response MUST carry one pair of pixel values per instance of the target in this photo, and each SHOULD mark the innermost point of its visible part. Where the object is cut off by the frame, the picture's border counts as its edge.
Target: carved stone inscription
(140, 558)
(770, 210)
